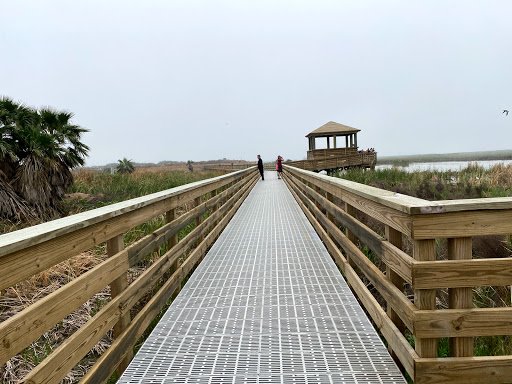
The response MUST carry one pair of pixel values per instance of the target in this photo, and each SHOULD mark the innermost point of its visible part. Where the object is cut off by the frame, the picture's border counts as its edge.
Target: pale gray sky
(199, 80)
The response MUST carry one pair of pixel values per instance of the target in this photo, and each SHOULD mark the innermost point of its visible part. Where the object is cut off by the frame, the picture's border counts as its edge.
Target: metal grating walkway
(267, 305)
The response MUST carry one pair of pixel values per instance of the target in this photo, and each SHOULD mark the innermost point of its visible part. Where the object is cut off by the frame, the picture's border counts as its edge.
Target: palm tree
(38, 149)
(125, 166)
(12, 117)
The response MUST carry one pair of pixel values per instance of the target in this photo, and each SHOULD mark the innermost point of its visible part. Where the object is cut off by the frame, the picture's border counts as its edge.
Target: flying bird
(505, 111)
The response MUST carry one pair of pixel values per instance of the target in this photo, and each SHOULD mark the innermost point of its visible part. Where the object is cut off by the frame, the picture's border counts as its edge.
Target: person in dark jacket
(260, 167)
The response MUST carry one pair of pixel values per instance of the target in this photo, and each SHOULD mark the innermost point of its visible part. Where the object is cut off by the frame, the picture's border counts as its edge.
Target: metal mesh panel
(267, 305)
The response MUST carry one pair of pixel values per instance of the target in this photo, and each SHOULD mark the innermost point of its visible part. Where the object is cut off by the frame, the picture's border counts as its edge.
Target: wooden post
(330, 197)
(224, 188)
(199, 220)
(424, 250)
(395, 238)
(318, 190)
(327, 142)
(346, 144)
(351, 211)
(170, 216)
(460, 249)
(334, 141)
(355, 140)
(215, 207)
(115, 245)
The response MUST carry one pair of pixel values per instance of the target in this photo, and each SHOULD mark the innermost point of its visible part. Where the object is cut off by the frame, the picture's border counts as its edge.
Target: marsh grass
(102, 189)
(471, 182)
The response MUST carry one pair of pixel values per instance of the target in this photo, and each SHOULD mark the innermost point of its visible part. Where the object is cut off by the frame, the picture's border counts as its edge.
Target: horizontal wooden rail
(25, 327)
(481, 369)
(334, 159)
(466, 223)
(462, 273)
(334, 205)
(228, 167)
(463, 322)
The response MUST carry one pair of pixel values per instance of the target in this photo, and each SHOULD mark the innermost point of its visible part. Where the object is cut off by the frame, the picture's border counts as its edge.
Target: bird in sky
(505, 111)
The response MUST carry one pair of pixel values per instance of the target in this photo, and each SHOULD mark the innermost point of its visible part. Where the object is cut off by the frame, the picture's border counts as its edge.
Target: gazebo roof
(331, 129)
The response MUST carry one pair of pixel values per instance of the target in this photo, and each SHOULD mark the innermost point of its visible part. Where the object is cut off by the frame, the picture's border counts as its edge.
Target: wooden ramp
(267, 305)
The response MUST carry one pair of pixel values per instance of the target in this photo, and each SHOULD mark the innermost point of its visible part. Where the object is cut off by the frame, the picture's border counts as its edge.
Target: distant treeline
(436, 157)
(166, 163)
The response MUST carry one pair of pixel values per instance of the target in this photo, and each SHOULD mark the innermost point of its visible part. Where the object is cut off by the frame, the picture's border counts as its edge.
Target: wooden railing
(357, 159)
(331, 204)
(29, 251)
(322, 154)
(228, 167)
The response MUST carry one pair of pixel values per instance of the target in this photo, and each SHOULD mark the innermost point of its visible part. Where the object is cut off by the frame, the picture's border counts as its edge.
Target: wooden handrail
(23, 238)
(331, 203)
(405, 203)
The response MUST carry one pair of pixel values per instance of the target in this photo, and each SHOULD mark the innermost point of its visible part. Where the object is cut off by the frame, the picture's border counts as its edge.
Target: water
(445, 165)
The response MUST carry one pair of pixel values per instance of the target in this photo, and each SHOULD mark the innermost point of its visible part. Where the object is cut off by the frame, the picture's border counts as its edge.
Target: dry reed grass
(17, 298)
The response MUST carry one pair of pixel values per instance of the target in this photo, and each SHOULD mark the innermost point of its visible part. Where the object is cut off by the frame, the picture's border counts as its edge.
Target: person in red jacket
(279, 162)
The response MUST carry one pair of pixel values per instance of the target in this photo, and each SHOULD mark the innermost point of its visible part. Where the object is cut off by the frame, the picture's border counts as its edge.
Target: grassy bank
(91, 190)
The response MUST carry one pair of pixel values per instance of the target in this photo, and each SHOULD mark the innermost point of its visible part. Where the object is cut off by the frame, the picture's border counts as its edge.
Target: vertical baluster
(215, 207)
(319, 191)
(115, 245)
(424, 250)
(329, 197)
(395, 238)
(460, 249)
(349, 209)
(199, 220)
(170, 216)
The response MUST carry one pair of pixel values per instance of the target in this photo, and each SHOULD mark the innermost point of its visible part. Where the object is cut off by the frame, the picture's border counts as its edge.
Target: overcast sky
(199, 80)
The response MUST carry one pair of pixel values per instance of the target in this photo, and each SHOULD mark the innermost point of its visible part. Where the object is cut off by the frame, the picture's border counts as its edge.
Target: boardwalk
(267, 305)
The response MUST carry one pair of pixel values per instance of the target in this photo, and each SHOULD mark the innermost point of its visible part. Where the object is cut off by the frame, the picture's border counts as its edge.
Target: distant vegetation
(170, 164)
(38, 149)
(436, 157)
